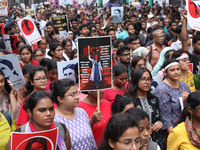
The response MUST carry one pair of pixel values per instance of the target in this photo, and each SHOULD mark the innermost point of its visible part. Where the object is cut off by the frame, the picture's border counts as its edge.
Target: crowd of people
(154, 102)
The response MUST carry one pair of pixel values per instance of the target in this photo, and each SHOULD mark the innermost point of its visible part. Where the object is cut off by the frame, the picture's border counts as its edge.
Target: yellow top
(178, 139)
(189, 81)
(5, 131)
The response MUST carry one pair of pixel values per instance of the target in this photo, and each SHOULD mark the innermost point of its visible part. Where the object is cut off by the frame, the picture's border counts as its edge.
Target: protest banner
(61, 26)
(94, 63)
(65, 2)
(10, 43)
(66, 69)
(3, 8)
(193, 14)
(44, 140)
(30, 12)
(2, 30)
(9, 64)
(29, 30)
(117, 13)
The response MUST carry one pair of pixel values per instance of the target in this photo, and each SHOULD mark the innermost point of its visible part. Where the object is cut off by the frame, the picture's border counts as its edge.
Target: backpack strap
(8, 118)
(62, 129)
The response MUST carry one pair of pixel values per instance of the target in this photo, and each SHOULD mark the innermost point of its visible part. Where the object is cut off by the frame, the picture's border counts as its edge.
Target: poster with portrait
(94, 63)
(66, 69)
(30, 12)
(117, 13)
(10, 43)
(193, 14)
(101, 12)
(9, 64)
(2, 30)
(29, 30)
(61, 26)
(65, 2)
(35, 140)
(3, 8)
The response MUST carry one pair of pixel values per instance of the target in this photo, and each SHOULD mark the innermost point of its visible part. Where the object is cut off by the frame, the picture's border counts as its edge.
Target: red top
(109, 94)
(105, 108)
(23, 115)
(33, 62)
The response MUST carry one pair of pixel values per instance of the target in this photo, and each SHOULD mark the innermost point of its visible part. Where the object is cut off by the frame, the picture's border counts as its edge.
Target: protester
(143, 121)
(121, 104)
(186, 76)
(25, 53)
(120, 77)
(76, 119)
(126, 133)
(7, 125)
(89, 104)
(171, 94)
(37, 82)
(38, 54)
(56, 51)
(40, 109)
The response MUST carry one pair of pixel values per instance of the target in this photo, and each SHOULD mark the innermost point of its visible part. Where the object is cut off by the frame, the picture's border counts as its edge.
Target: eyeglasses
(74, 94)
(59, 50)
(40, 79)
(129, 143)
(126, 55)
(144, 80)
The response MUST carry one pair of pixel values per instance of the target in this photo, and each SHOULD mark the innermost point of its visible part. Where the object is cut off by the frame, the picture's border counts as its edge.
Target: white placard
(117, 13)
(29, 30)
(3, 8)
(193, 14)
(66, 69)
(9, 64)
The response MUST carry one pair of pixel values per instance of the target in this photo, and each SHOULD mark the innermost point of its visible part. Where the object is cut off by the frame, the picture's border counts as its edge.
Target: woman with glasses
(171, 94)
(186, 75)
(38, 54)
(25, 53)
(142, 119)
(56, 51)
(139, 90)
(67, 46)
(122, 133)
(37, 82)
(76, 119)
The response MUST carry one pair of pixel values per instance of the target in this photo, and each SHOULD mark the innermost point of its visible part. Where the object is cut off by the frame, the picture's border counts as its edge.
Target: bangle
(91, 120)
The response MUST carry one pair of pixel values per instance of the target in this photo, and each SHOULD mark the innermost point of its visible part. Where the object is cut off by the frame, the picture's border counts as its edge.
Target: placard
(9, 64)
(3, 8)
(10, 43)
(117, 13)
(65, 2)
(95, 64)
(66, 69)
(101, 12)
(2, 31)
(29, 30)
(30, 12)
(61, 26)
(39, 140)
(193, 14)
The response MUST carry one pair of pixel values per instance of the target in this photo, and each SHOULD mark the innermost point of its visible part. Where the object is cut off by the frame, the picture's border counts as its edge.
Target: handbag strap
(150, 54)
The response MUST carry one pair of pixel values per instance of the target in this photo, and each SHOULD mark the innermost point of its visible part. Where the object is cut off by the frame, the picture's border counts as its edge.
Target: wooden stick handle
(98, 103)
